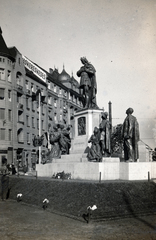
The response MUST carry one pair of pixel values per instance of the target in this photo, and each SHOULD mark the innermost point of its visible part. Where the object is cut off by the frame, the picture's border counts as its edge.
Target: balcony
(65, 110)
(28, 91)
(20, 88)
(20, 106)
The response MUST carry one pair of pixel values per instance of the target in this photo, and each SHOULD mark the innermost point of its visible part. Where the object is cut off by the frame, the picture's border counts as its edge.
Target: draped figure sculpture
(130, 134)
(60, 141)
(94, 153)
(88, 85)
(105, 137)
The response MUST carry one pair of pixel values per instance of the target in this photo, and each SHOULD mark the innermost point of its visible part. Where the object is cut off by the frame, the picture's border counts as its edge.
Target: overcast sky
(117, 36)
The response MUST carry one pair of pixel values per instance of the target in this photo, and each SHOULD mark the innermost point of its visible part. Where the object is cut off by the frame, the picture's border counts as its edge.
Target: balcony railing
(20, 106)
(19, 87)
(28, 91)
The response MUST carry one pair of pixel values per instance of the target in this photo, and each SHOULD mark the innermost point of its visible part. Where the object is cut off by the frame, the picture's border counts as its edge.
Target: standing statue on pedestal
(130, 136)
(105, 137)
(88, 86)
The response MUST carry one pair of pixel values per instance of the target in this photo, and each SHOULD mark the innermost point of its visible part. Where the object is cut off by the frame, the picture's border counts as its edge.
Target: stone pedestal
(85, 121)
(108, 169)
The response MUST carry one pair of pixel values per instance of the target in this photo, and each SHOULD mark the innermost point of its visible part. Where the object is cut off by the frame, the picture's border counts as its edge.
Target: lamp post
(37, 97)
(40, 130)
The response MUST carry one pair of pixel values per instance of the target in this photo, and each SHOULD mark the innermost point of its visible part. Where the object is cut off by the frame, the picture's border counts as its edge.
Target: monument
(88, 118)
(89, 154)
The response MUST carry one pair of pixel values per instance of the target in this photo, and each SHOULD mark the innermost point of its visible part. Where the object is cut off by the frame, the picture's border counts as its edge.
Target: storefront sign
(36, 70)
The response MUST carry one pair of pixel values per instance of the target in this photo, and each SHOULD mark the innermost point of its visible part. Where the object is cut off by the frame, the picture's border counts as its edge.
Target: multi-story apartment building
(32, 100)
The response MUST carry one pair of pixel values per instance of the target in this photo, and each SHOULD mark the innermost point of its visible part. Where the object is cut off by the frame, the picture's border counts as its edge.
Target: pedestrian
(4, 183)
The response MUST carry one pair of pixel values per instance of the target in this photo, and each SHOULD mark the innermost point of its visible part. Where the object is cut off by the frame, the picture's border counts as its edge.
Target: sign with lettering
(36, 70)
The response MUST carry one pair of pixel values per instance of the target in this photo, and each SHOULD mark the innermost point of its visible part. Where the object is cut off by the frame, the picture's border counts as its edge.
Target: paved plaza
(22, 221)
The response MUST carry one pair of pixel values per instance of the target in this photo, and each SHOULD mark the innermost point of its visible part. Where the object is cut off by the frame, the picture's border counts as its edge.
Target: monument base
(85, 122)
(108, 169)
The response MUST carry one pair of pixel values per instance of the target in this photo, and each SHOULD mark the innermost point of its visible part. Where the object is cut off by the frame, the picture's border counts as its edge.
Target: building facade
(32, 101)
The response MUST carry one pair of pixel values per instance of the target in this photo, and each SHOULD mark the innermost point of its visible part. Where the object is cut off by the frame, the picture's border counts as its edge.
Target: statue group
(60, 141)
(101, 139)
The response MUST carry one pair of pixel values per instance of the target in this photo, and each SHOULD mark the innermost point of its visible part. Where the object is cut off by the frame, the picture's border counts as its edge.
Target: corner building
(24, 114)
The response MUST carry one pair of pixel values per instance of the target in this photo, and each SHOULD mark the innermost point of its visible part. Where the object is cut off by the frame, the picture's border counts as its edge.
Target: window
(2, 134)
(38, 123)
(48, 84)
(21, 117)
(42, 124)
(33, 106)
(33, 122)
(10, 134)
(27, 103)
(55, 102)
(42, 109)
(32, 87)
(64, 105)
(61, 118)
(65, 93)
(2, 113)
(37, 106)
(1, 93)
(9, 76)
(27, 84)
(27, 121)
(60, 103)
(20, 135)
(54, 88)
(2, 60)
(9, 95)
(19, 79)
(28, 138)
(9, 115)
(49, 99)
(19, 100)
(60, 91)
(55, 117)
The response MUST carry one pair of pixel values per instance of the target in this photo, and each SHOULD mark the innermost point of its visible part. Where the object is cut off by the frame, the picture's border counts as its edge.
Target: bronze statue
(66, 140)
(60, 141)
(88, 86)
(130, 134)
(94, 153)
(105, 137)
